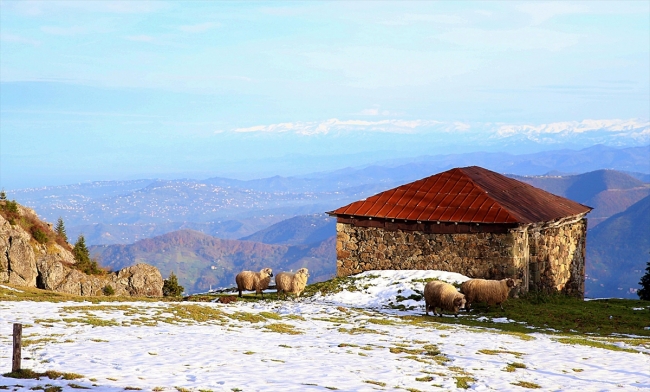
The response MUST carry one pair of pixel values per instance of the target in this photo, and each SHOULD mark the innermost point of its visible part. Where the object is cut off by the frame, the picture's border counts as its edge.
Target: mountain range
(119, 212)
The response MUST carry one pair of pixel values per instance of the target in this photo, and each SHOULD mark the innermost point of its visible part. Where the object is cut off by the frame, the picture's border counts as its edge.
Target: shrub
(171, 288)
(108, 290)
(38, 234)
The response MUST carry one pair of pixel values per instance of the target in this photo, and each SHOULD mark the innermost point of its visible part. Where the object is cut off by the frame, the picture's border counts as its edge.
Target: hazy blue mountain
(110, 212)
(617, 252)
(299, 230)
(607, 191)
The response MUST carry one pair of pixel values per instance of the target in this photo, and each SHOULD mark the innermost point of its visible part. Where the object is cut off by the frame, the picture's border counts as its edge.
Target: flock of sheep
(285, 282)
(443, 295)
(437, 294)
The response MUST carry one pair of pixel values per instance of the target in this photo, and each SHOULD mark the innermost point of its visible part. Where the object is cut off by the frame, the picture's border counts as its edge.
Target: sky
(348, 341)
(112, 90)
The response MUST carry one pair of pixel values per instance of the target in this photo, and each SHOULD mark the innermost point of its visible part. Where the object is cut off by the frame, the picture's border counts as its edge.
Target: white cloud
(632, 126)
(335, 126)
(199, 27)
(638, 130)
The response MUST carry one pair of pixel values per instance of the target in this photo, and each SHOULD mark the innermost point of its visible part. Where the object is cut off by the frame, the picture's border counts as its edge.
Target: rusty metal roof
(469, 195)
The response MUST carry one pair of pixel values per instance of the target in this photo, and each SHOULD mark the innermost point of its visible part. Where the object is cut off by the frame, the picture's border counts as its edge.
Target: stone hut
(472, 221)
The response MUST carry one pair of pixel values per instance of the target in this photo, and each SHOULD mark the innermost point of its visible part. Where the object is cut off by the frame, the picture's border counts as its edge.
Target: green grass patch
(526, 384)
(381, 384)
(497, 352)
(282, 328)
(512, 366)
(51, 374)
(404, 350)
(424, 379)
(593, 343)
(464, 382)
(360, 330)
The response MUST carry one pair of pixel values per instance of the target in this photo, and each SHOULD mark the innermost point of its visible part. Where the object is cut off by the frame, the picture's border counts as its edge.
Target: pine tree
(60, 229)
(171, 287)
(644, 291)
(82, 256)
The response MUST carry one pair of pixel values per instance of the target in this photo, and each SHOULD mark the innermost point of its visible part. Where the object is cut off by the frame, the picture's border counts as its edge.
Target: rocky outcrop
(25, 262)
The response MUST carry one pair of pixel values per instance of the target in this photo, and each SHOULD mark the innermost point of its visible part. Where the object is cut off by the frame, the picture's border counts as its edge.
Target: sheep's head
(459, 302)
(303, 271)
(267, 272)
(511, 282)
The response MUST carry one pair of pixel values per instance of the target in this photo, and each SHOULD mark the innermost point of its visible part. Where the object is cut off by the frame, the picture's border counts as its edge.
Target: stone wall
(485, 255)
(546, 257)
(557, 258)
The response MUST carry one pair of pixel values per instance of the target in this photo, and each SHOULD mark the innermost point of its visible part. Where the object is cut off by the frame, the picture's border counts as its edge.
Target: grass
(497, 352)
(51, 374)
(464, 382)
(381, 384)
(526, 384)
(593, 343)
(512, 366)
(282, 328)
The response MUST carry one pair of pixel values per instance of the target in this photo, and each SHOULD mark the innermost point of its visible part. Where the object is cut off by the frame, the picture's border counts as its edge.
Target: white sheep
(484, 290)
(287, 282)
(249, 280)
(442, 295)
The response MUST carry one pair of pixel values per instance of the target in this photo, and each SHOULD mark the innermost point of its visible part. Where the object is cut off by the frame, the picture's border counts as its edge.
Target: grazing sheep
(227, 299)
(286, 282)
(442, 295)
(249, 280)
(484, 290)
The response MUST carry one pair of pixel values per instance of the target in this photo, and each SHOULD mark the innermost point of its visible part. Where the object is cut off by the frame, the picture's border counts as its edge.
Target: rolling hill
(202, 262)
(299, 230)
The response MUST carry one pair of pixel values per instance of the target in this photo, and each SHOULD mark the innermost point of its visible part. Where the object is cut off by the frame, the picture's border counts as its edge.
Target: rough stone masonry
(548, 257)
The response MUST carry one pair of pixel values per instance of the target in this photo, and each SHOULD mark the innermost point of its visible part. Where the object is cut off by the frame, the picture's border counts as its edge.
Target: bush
(39, 235)
(108, 290)
(171, 288)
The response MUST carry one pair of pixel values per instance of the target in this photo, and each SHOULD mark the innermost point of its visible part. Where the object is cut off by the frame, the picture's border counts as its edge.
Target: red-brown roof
(468, 194)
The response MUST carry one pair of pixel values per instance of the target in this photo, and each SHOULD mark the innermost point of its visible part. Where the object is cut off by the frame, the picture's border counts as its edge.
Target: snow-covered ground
(348, 341)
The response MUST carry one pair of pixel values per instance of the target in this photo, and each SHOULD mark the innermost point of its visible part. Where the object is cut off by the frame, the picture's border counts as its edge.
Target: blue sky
(98, 90)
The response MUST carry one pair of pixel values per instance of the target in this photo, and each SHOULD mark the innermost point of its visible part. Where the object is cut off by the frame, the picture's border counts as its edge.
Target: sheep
(249, 280)
(287, 282)
(484, 290)
(442, 295)
(227, 299)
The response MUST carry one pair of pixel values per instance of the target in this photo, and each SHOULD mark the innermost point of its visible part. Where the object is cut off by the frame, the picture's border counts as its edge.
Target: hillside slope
(617, 252)
(201, 261)
(33, 255)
